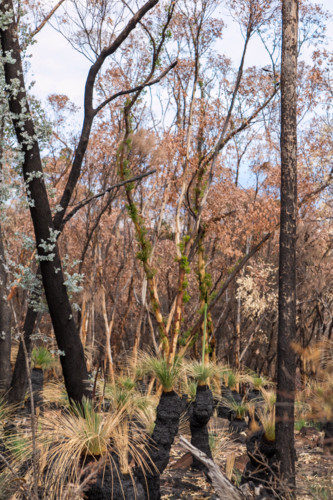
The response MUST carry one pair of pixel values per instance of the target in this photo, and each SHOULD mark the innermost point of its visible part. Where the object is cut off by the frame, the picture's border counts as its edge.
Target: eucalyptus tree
(46, 227)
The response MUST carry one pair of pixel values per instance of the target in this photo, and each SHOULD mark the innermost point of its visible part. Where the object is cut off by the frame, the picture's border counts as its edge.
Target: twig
(286, 489)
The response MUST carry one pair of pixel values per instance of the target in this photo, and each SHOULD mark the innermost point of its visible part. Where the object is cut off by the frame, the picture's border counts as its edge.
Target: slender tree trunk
(5, 312)
(68, 339)
(238, 337)
(5, 325)
(138, 335)
(19, 380)
(286, 361)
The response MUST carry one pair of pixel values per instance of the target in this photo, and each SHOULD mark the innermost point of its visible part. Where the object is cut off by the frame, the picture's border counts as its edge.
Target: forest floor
(314, 469)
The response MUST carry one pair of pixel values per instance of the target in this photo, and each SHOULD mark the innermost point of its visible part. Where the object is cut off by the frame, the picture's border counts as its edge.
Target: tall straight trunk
(5, 325)
(68, 339)
(286, 361)
(5, 312)
(238, 336)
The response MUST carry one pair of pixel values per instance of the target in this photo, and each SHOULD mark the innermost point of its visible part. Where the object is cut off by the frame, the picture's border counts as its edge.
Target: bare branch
(89, 112)
(136, 89)
(99, 195)
(46, 19)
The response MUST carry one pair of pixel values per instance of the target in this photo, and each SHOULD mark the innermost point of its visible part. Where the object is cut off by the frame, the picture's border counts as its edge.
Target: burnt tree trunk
(89, 115)
(286, 361)
(68, 339)
(166, 427)
(200, 412)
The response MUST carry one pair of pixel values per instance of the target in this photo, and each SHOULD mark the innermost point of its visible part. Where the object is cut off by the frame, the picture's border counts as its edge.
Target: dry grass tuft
(167, 376)
(55, 392)
(220, 442)
(201, 373)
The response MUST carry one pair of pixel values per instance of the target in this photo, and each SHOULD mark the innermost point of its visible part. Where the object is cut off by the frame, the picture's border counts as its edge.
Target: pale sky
(58, 69)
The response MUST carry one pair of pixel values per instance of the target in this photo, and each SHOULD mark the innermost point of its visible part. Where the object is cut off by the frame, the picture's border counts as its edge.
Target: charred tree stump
(166, 427)
(111, 484)
(236, 397)
(255, 395)
(262, 468)
(328, 437)
(37, 382)
(237, 424)
(223, 411)
(200, 413)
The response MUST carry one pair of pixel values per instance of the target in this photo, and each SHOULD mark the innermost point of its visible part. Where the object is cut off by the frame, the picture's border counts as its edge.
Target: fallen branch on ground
(221, 484)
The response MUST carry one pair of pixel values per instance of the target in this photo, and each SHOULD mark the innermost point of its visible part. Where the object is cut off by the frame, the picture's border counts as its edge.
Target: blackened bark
(5, 325)
(237, 424)
(184, 402)
(89, 114)
(37, 382)
(223, 411)
(286, 363)
(262, 467)
(255, 395)
(166, 427)
(327, 427)
(68, 339)
(200, 413)
(236, 397)
(111, 484)
(19, 382)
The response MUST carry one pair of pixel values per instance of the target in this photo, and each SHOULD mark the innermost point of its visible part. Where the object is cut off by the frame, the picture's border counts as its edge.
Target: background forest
(166, 204)
(174, 134)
